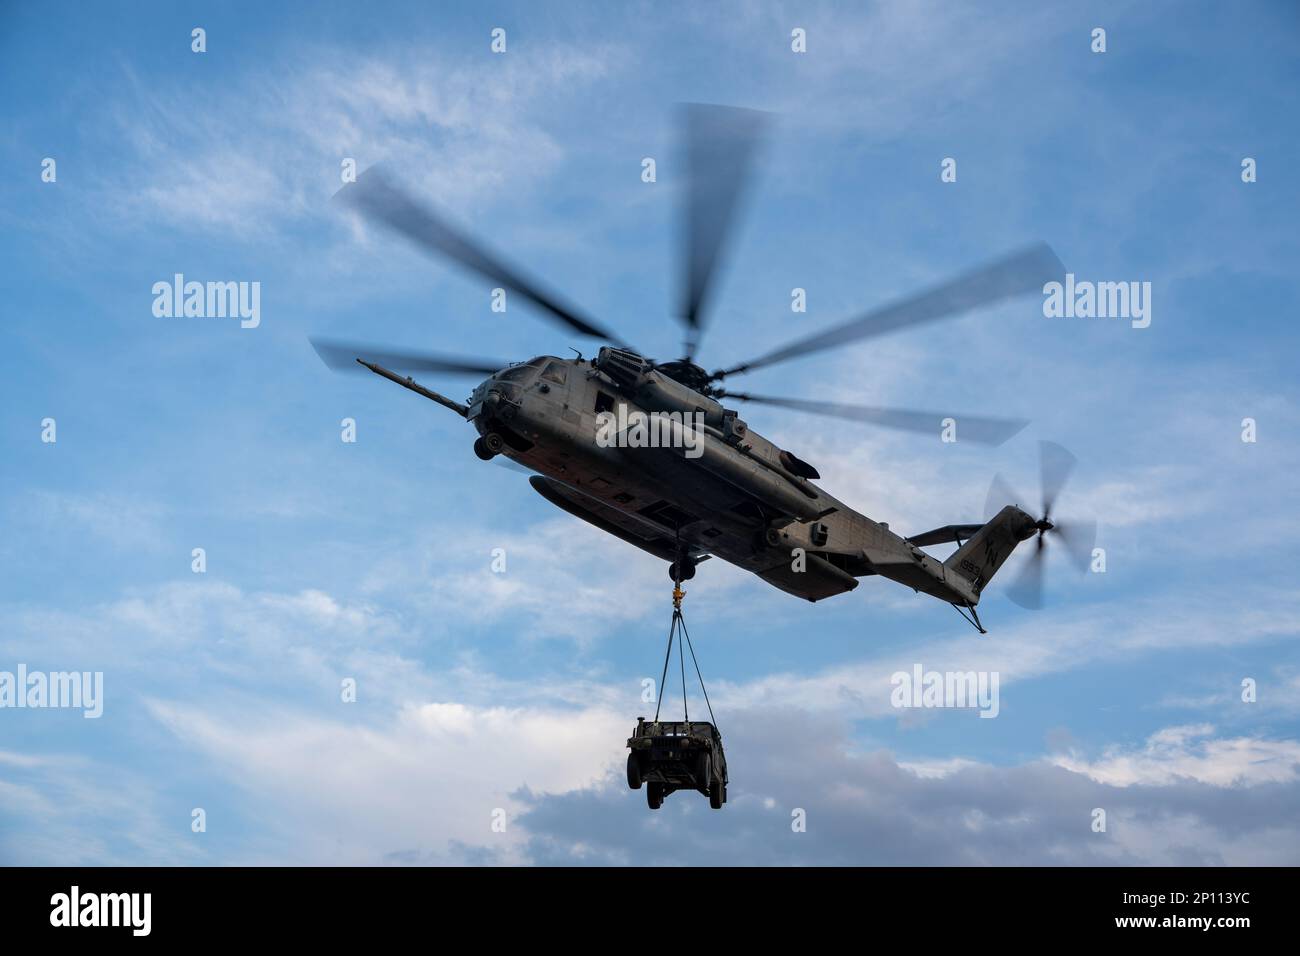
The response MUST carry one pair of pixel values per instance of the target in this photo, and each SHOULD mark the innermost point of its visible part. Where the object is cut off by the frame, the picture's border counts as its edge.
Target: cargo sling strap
(677, 631)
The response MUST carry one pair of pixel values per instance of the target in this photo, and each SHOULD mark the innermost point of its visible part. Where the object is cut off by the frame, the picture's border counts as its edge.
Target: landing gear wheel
(654, 795)
(633, 772)
(717, 794)
(488, 446)
(687, 571)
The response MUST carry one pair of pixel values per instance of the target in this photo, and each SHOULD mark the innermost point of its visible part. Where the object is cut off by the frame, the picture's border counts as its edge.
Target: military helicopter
(723, 490)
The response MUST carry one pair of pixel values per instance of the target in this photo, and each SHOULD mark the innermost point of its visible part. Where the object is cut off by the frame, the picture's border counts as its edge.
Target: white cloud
(1190, 752)
(937, 769)
(416, 786)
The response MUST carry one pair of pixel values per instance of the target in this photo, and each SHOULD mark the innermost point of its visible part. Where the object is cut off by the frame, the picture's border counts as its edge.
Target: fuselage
(705, 483)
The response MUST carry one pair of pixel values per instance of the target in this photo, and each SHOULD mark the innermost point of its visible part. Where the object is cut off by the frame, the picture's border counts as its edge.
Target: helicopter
(721, 490)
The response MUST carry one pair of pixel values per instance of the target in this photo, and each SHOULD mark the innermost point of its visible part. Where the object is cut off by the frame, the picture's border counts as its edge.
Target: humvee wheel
(633, 772)
(703, 772)
(654, 795)
(716, 795)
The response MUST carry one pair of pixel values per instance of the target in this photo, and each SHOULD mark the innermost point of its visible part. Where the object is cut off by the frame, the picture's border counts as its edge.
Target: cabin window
(554, 373)
(604, 402)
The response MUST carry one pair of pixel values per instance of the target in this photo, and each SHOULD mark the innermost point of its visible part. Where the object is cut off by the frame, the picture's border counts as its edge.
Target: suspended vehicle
(672, 755)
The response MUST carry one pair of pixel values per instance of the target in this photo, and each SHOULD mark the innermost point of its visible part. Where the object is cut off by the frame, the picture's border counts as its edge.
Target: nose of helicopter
(495, 397)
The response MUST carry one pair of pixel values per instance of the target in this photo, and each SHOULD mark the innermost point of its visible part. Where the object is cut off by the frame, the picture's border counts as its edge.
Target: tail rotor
(1056, 464)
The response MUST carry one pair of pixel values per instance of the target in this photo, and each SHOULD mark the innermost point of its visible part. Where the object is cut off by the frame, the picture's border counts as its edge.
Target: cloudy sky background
(480, 691)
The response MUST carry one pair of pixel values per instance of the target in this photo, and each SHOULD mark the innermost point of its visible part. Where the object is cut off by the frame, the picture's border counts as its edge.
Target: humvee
(669, 755)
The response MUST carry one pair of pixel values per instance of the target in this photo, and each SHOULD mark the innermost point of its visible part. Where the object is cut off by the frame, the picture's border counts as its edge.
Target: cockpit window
(517, 373)
(554, 372)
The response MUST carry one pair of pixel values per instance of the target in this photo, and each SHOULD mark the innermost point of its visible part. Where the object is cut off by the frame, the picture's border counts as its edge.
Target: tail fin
(980, 557)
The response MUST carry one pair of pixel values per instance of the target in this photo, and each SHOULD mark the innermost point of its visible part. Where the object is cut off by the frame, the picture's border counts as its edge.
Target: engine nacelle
(653, 390)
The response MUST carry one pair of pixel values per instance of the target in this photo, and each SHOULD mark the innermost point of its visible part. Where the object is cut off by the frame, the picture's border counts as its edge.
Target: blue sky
(479, 691)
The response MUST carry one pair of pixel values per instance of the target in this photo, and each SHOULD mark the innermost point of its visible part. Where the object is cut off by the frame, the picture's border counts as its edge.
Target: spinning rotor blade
(973, 428)
(1055, 465)
(1027, 589)
(342, 357)
(1024, 271)
(375, 196)
(1000, 495)
(1079, 538)
(720, 144)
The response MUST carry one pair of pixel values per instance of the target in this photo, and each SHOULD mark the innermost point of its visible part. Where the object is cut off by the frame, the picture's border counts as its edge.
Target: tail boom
(960, 579)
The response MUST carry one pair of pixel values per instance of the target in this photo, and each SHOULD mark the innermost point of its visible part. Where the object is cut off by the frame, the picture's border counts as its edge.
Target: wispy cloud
(266, 152)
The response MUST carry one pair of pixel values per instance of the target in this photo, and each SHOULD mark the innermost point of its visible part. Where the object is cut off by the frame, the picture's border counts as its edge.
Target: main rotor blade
(1000, 495)
(973, 428)
(1024, 271)
(378, 198)
(1079, 538)
(720, 144)
(1055, 465)
(342, 357)
(1027, 589)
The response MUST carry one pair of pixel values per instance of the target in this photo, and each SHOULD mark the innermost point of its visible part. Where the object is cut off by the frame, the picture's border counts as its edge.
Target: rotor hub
(687, 373)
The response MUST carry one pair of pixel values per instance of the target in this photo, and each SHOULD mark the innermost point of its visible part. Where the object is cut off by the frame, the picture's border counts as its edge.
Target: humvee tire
(633, 772)
(703, 772)
(716, 796)
(654, 795)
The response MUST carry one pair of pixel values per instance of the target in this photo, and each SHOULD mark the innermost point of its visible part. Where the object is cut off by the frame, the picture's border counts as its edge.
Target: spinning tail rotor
(1078, 537)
